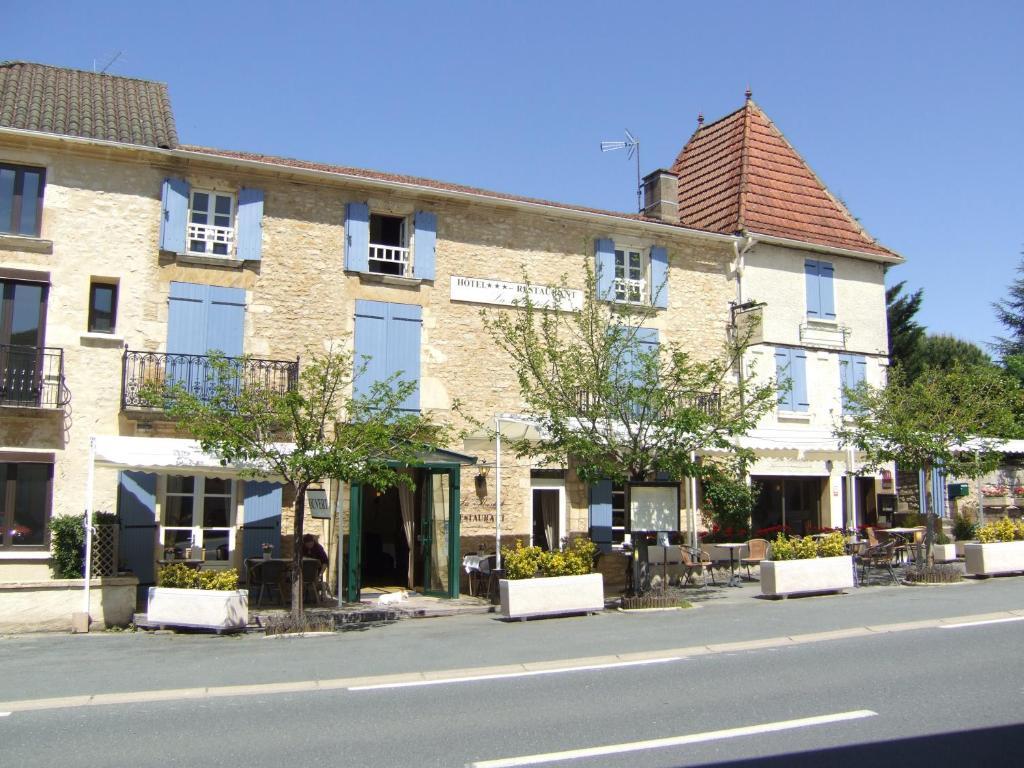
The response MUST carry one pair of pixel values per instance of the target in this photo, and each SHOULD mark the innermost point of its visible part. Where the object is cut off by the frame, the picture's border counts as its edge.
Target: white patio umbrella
(510, 426)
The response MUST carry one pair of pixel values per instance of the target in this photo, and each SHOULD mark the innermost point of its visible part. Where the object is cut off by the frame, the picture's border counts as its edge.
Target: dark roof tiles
(71, 102)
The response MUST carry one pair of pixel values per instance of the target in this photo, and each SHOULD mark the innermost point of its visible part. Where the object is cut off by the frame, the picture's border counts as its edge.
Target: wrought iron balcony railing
(32, 377)
(142, 370)
(705, 402)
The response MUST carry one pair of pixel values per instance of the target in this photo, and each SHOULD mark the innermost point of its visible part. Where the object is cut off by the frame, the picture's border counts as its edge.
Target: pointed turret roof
(739, 174)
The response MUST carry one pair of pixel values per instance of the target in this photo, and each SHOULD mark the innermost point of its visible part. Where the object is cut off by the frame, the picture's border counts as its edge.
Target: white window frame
(632, 283)
(550, 484)
(197, 528)
(212, 234)
(391, 254)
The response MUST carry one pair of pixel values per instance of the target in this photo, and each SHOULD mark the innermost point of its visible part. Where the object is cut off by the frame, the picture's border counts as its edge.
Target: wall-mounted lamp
(828, 466)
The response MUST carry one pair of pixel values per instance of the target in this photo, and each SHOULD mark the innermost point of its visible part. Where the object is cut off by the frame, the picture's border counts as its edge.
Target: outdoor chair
(697, 561)
(878, 556)
(312, 582)
(265, 576)
(872, 538)
(757, 550)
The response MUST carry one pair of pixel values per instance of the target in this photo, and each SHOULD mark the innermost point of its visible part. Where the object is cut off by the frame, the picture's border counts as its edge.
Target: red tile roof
(739, 174)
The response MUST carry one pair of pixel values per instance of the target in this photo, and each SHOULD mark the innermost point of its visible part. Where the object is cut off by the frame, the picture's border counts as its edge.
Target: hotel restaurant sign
(481, 290)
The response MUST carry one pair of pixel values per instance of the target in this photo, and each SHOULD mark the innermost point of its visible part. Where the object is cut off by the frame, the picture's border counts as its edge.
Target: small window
(631, 276)
(619, 521)
(389, 251)
(21, 199)
(211, 217)
(102, 307)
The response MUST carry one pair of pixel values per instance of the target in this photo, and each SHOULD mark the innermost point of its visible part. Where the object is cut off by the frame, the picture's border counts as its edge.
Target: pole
(851, 496)
(89, 478)
(338, 524)
(497, 513)
(692, 522)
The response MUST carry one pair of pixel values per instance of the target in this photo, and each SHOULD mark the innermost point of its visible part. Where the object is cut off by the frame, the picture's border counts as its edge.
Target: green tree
(613, 405)
(943, 351)
(1010, 312)
(932, 420)
(313, 432)
(905, 333)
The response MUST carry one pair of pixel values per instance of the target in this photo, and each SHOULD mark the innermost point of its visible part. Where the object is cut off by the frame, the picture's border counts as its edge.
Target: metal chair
(313, 585)
(264, 576)
(879, 556)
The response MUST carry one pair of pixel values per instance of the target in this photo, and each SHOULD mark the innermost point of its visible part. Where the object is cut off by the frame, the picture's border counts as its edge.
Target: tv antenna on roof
(632, 147)
(108, 65)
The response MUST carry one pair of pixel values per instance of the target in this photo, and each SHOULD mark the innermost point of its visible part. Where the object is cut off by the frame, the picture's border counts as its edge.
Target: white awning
(799, 439)
(166, 456)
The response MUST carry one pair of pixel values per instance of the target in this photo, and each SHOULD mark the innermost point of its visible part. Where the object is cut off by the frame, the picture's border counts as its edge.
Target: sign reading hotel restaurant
(484, 291)
(316, 500)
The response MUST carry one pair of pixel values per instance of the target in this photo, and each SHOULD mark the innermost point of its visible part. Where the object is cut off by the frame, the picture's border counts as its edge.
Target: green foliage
(180, 576)
(67, 547)
(1001, 530)
(729, 499)
(522, 562)
(943, 351)
(613, 407)
(807, 548)
(905, 333)
(964, 529)
(833, 545)
(941, 537)
(1010, 313)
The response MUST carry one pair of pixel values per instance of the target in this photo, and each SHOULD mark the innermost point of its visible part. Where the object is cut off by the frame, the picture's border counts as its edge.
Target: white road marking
(675, 741)
(981, 623)
(506, 675)
(5, 714)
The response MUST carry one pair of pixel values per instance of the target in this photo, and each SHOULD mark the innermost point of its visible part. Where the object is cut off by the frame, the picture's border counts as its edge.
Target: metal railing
(142, 371)
(390, 260)
(210, 236)
(630, 290)
(32, 377)
(709, 403)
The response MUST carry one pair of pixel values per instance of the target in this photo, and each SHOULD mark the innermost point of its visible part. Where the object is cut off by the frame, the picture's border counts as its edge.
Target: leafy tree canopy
(905, 333)
(943, 351)
(1010, 312)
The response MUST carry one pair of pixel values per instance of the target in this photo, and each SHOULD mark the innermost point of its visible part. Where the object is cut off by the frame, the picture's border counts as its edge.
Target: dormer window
(211, 230)
(389, 248)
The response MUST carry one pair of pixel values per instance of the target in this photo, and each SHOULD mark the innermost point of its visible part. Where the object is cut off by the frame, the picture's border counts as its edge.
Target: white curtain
(439, 533)
(406, 496)
(549, 517)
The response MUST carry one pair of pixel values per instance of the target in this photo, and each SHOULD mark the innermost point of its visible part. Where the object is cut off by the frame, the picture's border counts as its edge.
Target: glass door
(435, 533)
(21, 339)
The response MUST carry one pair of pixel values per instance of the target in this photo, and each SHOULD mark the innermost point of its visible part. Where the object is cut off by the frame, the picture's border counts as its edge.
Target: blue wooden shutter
(659, 277)
(357, 237)
(425, 225)
(845, 379)
(604, 268)
(645, 342)
(601, 514)
(174, 215)
(225, 320)
(370, 342)
(799, 372)
(186, 319)
(811, 280)
(860, 370)
(784, 376)
(136, 509)
(405, 323)
(250, 224)
(826, 290)
(262, 520)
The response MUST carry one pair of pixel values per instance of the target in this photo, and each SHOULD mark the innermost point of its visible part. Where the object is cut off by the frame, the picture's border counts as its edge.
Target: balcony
(708, 403)
(32, 377)
(141, 370)
(390, 260)
(630, 291)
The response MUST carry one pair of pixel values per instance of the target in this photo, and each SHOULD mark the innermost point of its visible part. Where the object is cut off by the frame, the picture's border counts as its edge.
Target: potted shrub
(996, 495)
(185, 597)
(943, 548)
(806, 566)
(1000, 549)
(964, 530)
(1018, 496)
(539, 583)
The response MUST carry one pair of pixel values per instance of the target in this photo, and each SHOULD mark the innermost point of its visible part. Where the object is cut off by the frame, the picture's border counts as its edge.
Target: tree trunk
(928, 557)
(299, 508)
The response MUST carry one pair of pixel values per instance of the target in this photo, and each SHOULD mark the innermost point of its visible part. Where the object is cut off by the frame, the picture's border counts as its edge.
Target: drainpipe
(737, 267)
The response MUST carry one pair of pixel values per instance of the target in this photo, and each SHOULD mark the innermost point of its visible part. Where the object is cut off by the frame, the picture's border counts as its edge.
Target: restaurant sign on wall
(481, 290)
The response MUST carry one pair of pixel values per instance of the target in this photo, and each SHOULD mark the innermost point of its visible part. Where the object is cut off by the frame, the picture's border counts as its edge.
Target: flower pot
(992, 559)
(997, 501)
(200, 608)
(522, 598)
(781, 578)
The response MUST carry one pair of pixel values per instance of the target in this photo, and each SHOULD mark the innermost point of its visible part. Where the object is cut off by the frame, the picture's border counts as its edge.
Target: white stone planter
(201, 608)
(40, 606)
(991, 559)
(521, 598)
(944, 553)
(959, 545)
(780, 578)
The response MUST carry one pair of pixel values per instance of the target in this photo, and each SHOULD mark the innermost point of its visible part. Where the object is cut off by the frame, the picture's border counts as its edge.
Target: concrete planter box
(46, 606)
(200, 608)
(997, 501)
(780, 578)
(992, 559)
(521, 598)
(944, 553)
(959, 545)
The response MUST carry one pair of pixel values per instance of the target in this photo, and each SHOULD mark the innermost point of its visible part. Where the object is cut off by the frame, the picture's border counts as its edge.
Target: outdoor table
(478, 565)
(733, 547)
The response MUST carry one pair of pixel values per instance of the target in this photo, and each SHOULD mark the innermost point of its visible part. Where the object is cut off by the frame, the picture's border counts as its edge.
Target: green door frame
(355, 531)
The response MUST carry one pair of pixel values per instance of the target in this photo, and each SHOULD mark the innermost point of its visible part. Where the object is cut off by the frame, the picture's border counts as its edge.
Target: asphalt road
(891, 686)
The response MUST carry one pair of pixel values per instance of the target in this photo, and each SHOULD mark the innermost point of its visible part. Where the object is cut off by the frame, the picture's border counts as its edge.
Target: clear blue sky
(911, 112)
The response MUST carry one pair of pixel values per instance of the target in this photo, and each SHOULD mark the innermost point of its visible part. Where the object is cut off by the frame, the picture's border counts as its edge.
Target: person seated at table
(311, 548)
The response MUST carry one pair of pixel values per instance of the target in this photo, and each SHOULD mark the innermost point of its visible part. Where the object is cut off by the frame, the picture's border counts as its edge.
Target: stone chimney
(661, 196)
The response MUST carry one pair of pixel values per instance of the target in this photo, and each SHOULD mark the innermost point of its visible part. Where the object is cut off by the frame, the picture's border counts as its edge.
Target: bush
(795, 548)
(526, 562)
(833, 545)
(730, 500)
(67, 544)
(180, 576)
(1001, 530)
(963, 528)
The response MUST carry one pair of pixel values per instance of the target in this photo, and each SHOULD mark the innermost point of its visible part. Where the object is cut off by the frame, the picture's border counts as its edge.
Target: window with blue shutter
(201, 318)
(791, 375)
(425, 225)
(601, 514)
(387, 342)
(852, 373)
(174, 215)
(261, 523)
(357, 237)
(659, 277)
(250, 224)
(604, 268)
(820, 289)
